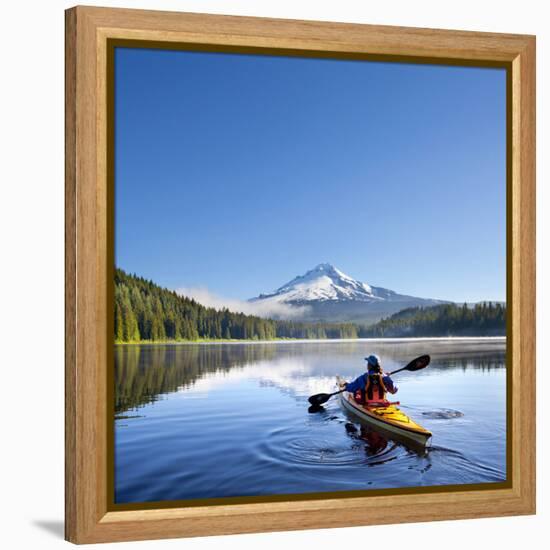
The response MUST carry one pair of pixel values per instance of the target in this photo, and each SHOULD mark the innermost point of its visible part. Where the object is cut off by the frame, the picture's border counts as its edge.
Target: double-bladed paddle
(416, 364)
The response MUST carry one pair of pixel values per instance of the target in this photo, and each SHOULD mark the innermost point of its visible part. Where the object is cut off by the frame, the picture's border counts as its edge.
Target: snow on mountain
(322, 283)
(334, 296)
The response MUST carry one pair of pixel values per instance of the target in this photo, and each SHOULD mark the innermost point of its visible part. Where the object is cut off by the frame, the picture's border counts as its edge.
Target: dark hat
(373, 360)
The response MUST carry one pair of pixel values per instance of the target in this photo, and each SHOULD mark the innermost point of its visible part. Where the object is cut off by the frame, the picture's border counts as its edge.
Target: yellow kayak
(388, 417)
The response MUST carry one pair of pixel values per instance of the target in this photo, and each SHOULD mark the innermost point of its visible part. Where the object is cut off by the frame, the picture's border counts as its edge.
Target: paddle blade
(419, 363)
(319, 399)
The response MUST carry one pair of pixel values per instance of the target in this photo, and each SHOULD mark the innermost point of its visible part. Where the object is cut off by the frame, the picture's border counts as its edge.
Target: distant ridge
(481, 319)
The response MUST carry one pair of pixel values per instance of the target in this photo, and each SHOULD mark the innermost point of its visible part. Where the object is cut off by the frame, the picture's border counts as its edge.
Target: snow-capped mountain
(331, 295)
(324, 282)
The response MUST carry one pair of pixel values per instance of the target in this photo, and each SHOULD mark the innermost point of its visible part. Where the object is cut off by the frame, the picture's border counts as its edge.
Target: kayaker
(373, 385)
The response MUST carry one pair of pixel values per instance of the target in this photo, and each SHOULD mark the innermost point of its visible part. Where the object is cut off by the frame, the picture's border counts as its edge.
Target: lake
(198, 421)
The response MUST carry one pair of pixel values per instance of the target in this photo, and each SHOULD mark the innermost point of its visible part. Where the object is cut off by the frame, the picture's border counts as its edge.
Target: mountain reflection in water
(143, 373)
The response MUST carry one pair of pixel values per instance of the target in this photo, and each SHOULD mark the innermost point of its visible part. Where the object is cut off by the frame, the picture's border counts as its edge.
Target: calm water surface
(220, 420)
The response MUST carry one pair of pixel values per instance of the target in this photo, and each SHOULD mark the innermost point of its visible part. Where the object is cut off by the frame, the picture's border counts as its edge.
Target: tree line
(146, 312)
(482, 319)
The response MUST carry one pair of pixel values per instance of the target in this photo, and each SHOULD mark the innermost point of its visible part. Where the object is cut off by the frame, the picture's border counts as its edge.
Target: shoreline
(315, 341)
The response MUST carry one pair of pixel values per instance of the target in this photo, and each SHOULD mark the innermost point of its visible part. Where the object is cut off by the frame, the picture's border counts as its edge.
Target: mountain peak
(322, 283)
(329, 294)
(323, 267)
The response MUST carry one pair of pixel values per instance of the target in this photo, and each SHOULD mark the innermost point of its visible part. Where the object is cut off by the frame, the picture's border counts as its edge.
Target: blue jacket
(360, 382)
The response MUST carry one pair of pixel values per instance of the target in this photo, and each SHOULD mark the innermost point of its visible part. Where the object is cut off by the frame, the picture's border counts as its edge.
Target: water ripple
(442, 414)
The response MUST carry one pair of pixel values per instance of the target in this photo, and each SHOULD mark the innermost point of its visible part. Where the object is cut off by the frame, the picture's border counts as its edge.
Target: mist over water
(221, 420)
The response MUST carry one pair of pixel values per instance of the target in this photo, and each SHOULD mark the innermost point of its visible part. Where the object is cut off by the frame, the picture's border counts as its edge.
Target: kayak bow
(388, 417)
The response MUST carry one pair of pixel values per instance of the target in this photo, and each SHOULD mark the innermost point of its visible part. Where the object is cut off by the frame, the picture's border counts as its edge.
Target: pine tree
(119, 324)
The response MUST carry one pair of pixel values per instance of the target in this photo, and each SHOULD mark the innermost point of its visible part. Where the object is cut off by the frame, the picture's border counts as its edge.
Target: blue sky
(236, 173)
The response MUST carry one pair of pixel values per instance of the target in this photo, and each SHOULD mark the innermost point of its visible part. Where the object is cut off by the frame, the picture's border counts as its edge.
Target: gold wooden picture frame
(91, 36)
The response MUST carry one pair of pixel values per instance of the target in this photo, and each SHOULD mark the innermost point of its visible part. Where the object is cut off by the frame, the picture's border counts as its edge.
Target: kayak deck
(388, 417)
